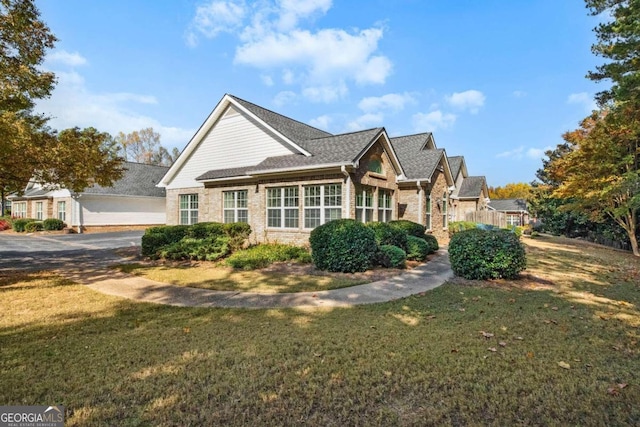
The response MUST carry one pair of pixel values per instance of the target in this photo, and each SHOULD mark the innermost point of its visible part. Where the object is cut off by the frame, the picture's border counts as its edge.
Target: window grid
(322, 203)
(428, 219)
(39, 211)
(19, 209)
(236, 206)
(385, 210)
(364, 204)
(62, 211)
(188, 209)
(282, 207)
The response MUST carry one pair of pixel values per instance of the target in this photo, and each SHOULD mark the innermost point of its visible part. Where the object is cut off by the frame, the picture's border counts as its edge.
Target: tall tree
(600, 170)
(618, 40)
(144, 146)
(517, 190)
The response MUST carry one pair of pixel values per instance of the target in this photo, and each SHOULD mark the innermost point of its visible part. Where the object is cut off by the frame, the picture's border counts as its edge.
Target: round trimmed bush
(390, 256)
(486, 254)
(409, 227)
(53, 224)
(33, 226)
(417, 249)
(432, 242)
(19, 224)
(343, 245)
(387, 234)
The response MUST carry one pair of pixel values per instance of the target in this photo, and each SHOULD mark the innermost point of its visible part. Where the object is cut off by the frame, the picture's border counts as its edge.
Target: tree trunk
(634, 244)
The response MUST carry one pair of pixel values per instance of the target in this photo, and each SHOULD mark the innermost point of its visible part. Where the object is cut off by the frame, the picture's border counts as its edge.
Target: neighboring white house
(132, 200)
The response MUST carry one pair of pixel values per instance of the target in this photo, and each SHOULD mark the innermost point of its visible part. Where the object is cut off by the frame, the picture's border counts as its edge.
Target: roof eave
(301, 168)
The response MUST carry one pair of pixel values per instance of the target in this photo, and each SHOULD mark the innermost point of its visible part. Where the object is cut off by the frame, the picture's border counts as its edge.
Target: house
(471, 193)
(284, 177)
(133, 200)
(516, 210)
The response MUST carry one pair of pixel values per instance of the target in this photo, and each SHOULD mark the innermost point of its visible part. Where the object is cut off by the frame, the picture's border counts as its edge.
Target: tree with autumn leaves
(29, 148)
(597, 169)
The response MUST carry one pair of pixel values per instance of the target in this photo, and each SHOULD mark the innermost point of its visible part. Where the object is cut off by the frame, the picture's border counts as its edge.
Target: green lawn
(559, 347)
(220, 278)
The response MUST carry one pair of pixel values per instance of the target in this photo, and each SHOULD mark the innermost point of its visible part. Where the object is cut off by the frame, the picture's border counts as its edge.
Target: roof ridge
(377, 129)
(411, 135)
(237, 98)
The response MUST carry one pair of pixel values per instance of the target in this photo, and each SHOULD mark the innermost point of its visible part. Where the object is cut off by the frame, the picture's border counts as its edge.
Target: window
(385, 210)
(236, 206)
(513, 219)
(62, 211)
(282, 207)
(19, 209)
(445, 222)
(375, 165)
(364, 204)
(428, 219)
(322, 203)
(39, 211)
(188, 209)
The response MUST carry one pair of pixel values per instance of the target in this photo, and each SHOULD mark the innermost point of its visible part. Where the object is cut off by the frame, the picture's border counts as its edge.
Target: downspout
(346, 210)
(420, 197)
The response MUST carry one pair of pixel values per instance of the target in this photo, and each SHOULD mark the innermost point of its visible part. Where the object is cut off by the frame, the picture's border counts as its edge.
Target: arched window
(375, 165)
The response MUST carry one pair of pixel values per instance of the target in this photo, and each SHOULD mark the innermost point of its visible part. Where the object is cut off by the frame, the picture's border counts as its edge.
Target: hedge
(432, 242)
(33, 226)
(409, 227)
(343, 245)
(19, 224)
(486, 254)
(387, 234)
(390, 256)
(417, 249)
(263, 255)
(53, 224)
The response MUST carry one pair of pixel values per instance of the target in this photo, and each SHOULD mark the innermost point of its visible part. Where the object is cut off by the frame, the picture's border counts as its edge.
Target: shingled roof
(455, 162)
(138, 180)
(509, 205)
(417, 163)
(471, 187)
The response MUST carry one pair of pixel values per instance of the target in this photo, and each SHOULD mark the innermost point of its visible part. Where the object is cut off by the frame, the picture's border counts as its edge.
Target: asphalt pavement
(37, 251)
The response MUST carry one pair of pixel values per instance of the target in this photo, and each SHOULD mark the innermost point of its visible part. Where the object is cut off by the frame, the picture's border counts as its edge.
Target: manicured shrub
(209, 249)
(261, 256)
(343, 245)
(387, 234)
(203, 230)
(486, 254)
(238, 233)
(409, 227)
(458, 226)
(33, 226)
(155, 238)
(417, 249)
(390, 256)
(19, 224)
(432, 242)
(53, 224)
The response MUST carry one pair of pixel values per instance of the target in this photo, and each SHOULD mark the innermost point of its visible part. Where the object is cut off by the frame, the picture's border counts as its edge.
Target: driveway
(47, 251)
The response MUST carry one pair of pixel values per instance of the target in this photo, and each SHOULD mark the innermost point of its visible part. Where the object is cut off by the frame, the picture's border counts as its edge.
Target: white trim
(213, 118)
(301, 168)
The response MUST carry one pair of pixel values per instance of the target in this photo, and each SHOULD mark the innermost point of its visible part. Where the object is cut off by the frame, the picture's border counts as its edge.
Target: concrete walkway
(423, 278)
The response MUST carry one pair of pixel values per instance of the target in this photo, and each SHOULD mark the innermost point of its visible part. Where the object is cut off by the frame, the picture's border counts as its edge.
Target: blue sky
(495, 81)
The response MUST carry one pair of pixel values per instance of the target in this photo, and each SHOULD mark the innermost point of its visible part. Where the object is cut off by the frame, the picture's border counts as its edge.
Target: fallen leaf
(502, 344)
(554, 308)
(547, 321)
(454, 350)
(613, 391)
(603, 318)
(492, 349)
(431, 317)
(317, 354)
(519, 338)
(462, 309)
(186, 330)
(486, 334)
(564, 365)
(622, 385)
(503, 328)
(314, 296)
(512, 300)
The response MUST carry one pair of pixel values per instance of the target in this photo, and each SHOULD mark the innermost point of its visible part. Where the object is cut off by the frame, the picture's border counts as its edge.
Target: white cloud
(72, 104)
(214, 18)
(325, 93)
(72, 59)
(323, 122)
(470, 100)
(538, 153)
(267, 80)
(584, 99)
(516, 153)
(284, 98)
(365, 121)
(272, 37)
(391, 101)
(519, 94)
(433, 121)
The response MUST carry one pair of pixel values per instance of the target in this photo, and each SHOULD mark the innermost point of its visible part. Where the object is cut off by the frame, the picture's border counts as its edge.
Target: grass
(221, 278)
(565, 339)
